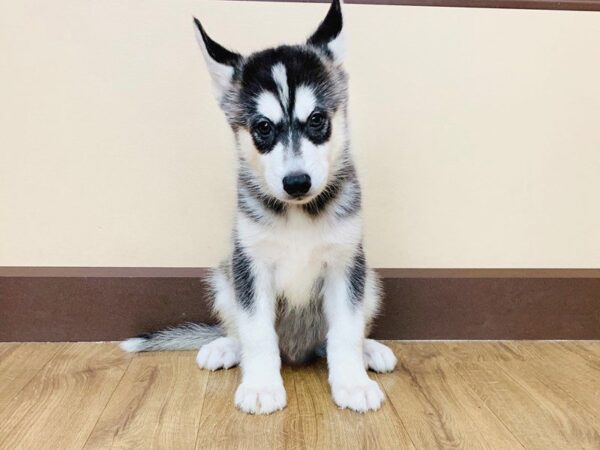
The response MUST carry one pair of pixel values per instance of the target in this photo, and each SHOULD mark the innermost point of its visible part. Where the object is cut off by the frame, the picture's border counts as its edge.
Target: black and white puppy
(296, 284)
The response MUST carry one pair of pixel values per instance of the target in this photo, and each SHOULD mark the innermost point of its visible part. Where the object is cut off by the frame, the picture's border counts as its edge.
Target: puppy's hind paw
(222, 353)
(378, 357)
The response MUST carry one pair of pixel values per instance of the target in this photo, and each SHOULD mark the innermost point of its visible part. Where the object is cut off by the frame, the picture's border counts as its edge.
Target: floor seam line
(107, 402)
(467, 386)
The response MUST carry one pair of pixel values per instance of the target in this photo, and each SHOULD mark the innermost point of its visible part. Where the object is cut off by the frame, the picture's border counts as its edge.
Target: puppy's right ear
(330, 34)
(221, 62)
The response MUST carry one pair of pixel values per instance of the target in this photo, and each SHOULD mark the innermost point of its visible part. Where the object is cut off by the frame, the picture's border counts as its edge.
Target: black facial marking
(243, 279)
(318, 132)
(265, 134)
(319, 203)
(331, 191)
(357, 274)
(216, 51)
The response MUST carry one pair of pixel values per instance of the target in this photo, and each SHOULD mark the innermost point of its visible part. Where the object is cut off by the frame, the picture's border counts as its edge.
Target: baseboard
(111, 303)
(573, 5)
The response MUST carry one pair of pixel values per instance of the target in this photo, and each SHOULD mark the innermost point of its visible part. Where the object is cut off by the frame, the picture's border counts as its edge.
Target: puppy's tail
(189, 336)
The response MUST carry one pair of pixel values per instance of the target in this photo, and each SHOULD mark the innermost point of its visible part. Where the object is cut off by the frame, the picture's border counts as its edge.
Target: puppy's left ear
(330, 36)
(221, 62)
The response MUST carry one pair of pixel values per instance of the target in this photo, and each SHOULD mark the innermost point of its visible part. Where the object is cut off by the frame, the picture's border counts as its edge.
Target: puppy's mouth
(300, 199)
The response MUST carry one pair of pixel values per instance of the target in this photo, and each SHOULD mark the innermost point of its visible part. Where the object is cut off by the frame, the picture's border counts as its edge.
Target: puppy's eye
(264, 128)
(316, 120)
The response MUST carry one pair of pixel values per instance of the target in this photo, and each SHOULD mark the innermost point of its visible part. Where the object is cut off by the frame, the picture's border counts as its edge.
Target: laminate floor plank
(541, 416)
(437, 407)
(157, 404)
(61, 404)
(19, 363)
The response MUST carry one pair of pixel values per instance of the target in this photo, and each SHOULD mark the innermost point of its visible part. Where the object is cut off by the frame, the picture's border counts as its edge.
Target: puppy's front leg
(261, 390)
(351, 387)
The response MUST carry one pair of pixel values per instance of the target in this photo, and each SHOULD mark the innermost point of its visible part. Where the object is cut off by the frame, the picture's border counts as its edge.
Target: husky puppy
(296, 284)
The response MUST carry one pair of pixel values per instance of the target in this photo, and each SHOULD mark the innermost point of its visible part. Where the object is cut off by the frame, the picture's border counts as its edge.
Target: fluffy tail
(189, 336)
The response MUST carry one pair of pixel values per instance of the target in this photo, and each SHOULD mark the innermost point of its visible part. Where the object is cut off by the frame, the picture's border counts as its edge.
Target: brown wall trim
(105, 272)
(187, 272)
(572, 5)
(111, 303)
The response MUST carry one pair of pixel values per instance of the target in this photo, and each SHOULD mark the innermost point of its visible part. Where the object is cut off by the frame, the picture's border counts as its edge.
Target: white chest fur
(297, 250)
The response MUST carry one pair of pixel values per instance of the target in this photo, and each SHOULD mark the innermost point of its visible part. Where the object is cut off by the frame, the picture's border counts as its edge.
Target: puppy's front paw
(360, 397)
(261, 399)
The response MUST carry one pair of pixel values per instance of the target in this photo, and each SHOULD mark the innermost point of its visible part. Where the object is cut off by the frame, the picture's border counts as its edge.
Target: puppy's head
(287, 108)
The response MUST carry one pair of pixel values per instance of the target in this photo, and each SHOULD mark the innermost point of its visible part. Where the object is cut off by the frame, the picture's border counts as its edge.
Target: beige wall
(477, 132)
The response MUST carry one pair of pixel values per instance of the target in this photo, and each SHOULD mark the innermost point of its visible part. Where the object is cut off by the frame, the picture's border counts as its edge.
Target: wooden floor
(506, 395)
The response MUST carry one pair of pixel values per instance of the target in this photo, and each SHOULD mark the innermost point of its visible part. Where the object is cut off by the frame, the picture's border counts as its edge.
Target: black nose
(296, 184)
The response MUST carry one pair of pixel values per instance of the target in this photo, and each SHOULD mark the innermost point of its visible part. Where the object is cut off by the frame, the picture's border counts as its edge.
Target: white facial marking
(275, 166)
(280, 78)
(305, 102)
(314, 162)
(268, 105)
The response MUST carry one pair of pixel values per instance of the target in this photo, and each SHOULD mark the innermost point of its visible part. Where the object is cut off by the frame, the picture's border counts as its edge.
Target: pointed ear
(221, 62)
(329, 36)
